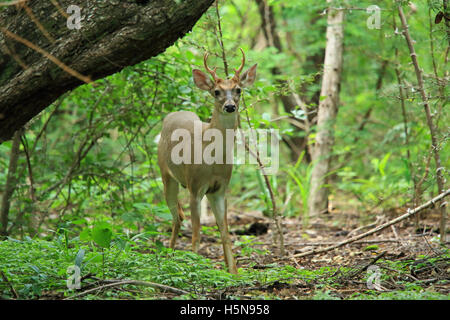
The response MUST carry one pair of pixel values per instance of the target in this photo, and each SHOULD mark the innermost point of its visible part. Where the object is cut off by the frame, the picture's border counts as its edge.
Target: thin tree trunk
(328, 107)
(416, 192)
(434, 145)
(11, 182)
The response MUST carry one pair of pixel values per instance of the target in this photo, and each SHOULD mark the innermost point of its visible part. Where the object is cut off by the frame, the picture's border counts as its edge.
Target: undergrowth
(39, 269)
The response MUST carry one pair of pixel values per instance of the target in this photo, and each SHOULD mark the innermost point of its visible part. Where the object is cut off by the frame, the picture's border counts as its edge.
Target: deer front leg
(219, 208)
(195, 220)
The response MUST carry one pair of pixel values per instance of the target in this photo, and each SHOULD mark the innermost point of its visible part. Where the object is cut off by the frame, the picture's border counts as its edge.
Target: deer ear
(249, 76)
(201, 80)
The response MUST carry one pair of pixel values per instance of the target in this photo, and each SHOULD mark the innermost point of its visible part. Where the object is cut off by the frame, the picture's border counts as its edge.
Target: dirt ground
(400, 242)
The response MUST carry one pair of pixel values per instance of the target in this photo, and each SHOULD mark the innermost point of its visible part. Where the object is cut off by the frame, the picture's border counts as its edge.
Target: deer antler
(212, 72)
(237, 72)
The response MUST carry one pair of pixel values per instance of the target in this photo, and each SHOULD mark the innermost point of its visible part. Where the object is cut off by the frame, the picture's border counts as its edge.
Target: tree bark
(328, 107)
(446, 8)
(11, 181)
(113, 35)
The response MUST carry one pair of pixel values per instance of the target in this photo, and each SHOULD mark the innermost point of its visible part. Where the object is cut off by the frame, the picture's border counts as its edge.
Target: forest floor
(400, 262)
(405, 262)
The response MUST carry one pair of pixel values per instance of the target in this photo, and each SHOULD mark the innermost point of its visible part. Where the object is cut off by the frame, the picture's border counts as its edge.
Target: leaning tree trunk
(328, 107)
(41, 57)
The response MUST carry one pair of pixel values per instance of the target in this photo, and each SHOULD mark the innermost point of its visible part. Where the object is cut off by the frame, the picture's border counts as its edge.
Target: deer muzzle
(230, 108)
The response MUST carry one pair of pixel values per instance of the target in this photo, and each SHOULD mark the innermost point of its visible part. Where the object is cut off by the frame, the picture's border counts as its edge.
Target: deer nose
(230, 108)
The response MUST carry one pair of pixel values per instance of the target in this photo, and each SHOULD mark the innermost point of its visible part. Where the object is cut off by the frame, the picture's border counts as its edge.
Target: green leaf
(79, 221)
(102, 234)
(142, 206)
(382, 164)
(189, 55)
(36, 269)
(86, 235)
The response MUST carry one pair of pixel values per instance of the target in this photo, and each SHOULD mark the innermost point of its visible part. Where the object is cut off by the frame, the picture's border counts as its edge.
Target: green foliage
(325, 295)
(247, 246)
(94, 195)
(301, 174)
(37, 267)
(94, 151)
(388, 183)
(101, 234)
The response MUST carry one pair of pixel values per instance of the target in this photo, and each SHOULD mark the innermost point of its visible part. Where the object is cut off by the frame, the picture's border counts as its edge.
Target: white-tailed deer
(210, 179)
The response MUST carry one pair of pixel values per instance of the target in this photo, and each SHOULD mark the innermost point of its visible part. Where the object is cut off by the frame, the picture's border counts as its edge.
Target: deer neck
(222, 121)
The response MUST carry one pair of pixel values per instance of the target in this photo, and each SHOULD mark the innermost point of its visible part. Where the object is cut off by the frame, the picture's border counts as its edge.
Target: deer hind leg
(171, 195)
(219, 208)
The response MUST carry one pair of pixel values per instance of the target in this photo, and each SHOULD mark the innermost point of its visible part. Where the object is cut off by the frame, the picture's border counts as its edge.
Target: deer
(203, 179)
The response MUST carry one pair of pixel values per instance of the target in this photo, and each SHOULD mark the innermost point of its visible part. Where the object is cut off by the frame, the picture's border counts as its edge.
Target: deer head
(226, 92)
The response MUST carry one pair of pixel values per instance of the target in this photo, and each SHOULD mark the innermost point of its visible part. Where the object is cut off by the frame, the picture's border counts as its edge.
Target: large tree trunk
(113, 35)
(328, 107)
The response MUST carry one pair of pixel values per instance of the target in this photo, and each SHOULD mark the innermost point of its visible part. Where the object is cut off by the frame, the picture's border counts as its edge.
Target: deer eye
(238, 90)
(216, 93)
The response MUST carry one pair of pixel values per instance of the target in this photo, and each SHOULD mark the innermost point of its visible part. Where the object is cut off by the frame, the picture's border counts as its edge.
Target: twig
(12, 53)
(402, 274)
(408, 214)
(364, 267)
(44, 127)
(328, 243)
(11, 3)
(362, 227)
(275, 213)
(394, 231)
(37, 23)
(52, 58)
(132, 282)
(34, 217)
(220, 38)
(411, 168)
(61, 11)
